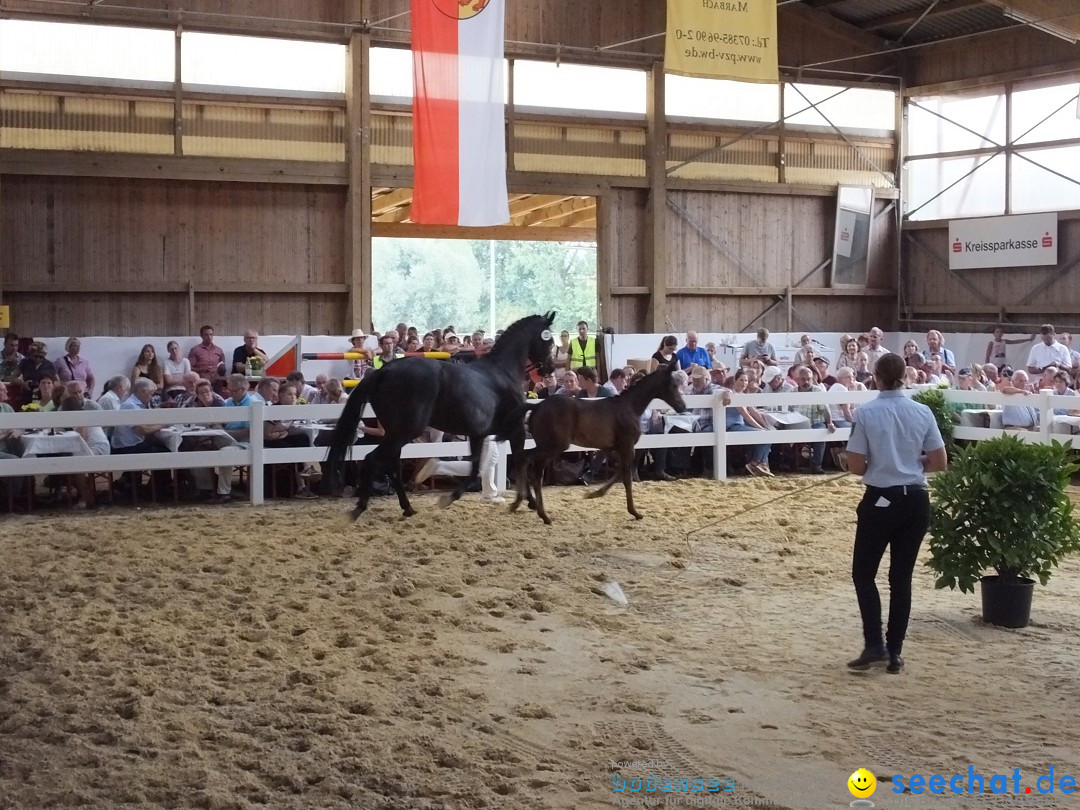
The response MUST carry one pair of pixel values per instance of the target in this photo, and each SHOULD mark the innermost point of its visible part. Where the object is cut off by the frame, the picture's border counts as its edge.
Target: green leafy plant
(1002, 505)
(934, 399)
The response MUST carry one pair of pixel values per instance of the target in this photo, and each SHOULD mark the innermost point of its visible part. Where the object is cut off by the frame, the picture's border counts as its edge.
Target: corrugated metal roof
(904, 21)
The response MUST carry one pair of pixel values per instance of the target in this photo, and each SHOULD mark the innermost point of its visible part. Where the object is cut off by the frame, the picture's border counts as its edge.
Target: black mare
(612, 424)
(478, 399)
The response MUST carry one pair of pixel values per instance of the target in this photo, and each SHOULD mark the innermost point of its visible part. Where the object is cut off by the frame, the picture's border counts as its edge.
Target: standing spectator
(175, 369)
(1047, 352)
(357, 347)
(995, 349)
(760, 348)
(894, 443)
(691, 354)
(1074, 355)
(147, 367)
(246, 350)
(387, 352)
(935, 344)
(562, 352)
(73, 367)
(207, 360)
(874, 350)
(583, 348)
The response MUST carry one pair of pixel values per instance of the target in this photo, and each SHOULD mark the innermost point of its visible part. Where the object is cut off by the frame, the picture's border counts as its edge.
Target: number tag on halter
(546, 334)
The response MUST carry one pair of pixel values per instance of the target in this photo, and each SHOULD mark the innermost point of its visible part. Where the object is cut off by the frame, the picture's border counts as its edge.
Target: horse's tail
(344, 434)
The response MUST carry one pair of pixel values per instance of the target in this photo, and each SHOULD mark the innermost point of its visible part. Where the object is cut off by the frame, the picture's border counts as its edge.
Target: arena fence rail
(254, 454)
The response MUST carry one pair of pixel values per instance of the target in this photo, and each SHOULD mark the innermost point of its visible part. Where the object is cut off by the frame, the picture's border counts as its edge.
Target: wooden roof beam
(534, 202)
(395, 198)
(558, 211)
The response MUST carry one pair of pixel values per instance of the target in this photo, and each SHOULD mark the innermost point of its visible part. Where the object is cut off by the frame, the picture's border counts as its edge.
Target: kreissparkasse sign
(1023, 240)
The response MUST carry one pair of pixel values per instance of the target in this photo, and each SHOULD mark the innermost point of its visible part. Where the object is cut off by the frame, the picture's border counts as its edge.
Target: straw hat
(358, 333)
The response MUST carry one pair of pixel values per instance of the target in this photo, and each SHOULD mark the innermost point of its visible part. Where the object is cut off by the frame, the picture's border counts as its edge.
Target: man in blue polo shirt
(238, 398)
(691, 354)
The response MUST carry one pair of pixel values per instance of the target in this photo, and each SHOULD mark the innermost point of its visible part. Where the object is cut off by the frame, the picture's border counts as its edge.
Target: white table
(1065, 424)
(785, 420)
(173, 437)
(683, 421)
(313, 430)
(68, 443)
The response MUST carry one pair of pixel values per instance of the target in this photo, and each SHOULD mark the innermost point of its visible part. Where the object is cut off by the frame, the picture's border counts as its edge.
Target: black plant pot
(1008, 603)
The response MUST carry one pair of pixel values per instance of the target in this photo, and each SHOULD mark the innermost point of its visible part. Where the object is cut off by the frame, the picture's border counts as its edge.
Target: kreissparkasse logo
(460, 9)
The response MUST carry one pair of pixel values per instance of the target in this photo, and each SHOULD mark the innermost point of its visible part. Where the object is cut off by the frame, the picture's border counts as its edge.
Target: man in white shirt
(1048, 352)
(875, 351)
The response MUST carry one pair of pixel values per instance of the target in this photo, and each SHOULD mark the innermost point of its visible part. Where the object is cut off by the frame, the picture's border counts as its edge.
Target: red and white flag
(459, 135)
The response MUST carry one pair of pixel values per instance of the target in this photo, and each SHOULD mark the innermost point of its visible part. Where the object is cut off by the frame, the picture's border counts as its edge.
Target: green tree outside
(435, 282)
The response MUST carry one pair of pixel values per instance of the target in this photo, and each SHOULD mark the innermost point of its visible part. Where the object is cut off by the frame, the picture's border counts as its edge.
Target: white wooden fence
(254, 454)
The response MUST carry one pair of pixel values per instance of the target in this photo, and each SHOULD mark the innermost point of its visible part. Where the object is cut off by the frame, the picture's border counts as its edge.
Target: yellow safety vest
(583, 357)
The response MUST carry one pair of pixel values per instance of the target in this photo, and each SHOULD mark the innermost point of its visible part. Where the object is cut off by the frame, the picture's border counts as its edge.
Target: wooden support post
(178, 96)
(358, 158)
(605, 262)
(656, 210)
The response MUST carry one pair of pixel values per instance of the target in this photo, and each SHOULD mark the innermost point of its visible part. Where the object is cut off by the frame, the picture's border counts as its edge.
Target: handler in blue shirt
(894, 443)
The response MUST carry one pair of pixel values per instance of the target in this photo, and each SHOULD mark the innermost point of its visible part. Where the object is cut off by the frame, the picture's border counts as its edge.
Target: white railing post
(719, 424)
(1046, 416)
(255, 442)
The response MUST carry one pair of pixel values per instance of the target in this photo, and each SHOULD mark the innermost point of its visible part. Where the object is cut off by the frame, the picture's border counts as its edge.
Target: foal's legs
(536, 476)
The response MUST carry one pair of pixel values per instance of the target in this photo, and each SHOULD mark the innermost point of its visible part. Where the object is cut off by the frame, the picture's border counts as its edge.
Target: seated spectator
(74, 367)
(239, 397)
(911, 376)
(175, 368)
(965, 381)
(47, 386)
(116, 391)
(95, 439)
(740, 418)
(691, 354)
(147, 367)
(77, 389)
(1062, 388)
(428, 344)
(821, 365)
(205, 396)
(547, 387)
(187, 393)
(207, 359)
(10, 358)
(849, 358)
(130, 439)
(710, 348)
(700, 385)
(590, 384)
(934, 369)
(761, 347)
(245, 351)
(305, 393)
(292, 437)
(818, 415)
(451, 342)
(862, 370)
(1046, 379)
(267, 391)
(32, 369)
(843, 415)
(9, 437)
(718, 375)
(332, 393)
(666, 354)
(616, 382)
(806, 352)
(570, 387)
(1018, 416)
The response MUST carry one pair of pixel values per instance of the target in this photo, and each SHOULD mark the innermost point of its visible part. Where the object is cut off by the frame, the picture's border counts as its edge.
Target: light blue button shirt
(893, 432)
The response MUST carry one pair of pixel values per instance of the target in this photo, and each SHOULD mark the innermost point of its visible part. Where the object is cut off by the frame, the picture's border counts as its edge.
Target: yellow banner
(5, 317)
(722, 39)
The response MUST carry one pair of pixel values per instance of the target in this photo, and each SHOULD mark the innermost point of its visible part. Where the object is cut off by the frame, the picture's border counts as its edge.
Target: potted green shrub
(934, 399)
(1002, 506)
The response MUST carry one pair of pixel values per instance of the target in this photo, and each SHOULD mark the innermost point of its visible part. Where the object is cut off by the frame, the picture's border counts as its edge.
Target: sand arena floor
(239, 657)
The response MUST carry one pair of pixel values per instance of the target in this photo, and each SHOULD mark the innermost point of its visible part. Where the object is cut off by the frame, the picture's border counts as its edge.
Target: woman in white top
(175, 369)
(562, 351)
